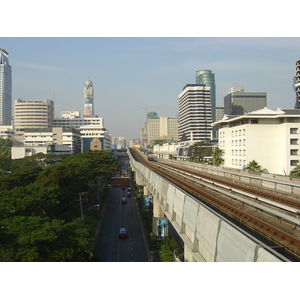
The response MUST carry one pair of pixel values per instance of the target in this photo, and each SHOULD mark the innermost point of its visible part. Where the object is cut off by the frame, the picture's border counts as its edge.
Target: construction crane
(146, 108)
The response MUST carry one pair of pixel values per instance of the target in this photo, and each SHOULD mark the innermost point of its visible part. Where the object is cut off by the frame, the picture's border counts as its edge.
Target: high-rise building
(219, 113)
(297, 84)
(208, 78)
(162, 129)
(5, 89)
(33, 114)
(239, 102)
(194, 113)
(88, 110)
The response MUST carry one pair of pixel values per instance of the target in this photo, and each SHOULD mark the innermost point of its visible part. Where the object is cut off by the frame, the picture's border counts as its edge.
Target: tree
(39, 208)
(295, 172)
(5, 147)
(255, 167)
(199, 150)
(217, 159)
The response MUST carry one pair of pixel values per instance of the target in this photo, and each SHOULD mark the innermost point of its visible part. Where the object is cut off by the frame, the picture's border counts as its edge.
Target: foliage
(5, 146)
(295, 172)
(39, 207)
(255, 167)
(217, 159)
(199, 150)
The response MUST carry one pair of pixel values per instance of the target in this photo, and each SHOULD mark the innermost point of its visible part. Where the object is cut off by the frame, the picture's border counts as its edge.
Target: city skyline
(135, 75)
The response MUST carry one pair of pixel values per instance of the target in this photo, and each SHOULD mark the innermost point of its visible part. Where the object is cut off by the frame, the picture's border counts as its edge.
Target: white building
(7, 132)
(47, 140)
(73, 119)
(5, 89)
(194, 113)
(271, 138)
(33, 114)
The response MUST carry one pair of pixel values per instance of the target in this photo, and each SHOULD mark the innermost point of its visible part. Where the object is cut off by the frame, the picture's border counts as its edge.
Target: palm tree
(255, 167)
(217, 159)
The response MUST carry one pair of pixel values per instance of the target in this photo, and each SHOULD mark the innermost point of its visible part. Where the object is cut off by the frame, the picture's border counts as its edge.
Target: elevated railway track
(271, 217)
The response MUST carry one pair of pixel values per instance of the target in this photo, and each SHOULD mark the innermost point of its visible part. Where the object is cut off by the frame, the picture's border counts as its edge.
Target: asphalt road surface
(111, 248)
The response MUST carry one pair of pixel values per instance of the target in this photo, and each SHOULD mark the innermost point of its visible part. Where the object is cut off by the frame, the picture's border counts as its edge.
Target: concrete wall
(207, 236)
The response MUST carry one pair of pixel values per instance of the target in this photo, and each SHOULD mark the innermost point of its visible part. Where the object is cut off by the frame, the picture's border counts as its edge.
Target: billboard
(160, 227)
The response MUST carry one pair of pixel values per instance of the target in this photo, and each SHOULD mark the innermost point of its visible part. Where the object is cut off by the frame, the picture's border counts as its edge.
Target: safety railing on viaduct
(207, 236)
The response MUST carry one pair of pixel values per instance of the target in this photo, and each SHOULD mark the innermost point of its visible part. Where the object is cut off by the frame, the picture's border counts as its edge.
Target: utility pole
(80, 200)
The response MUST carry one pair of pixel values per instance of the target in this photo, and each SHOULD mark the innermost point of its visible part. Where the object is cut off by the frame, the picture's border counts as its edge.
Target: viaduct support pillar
(138, 179)
(157, 211)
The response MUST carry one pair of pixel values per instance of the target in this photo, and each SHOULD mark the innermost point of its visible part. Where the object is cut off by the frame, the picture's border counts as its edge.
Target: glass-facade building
(297, 84)
(208, 78)
(5, 89)
(238, 102)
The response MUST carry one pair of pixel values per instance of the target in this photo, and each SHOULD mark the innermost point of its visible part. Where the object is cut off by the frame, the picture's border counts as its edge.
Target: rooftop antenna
(89, 76)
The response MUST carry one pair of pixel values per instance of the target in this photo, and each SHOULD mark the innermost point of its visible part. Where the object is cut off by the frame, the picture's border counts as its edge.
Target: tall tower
(297, 84)
(194, 113)
(5, 89)
(208, 78)
(88, 99)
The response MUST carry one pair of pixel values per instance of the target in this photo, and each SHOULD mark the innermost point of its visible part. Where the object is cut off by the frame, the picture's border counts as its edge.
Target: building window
(294, 142)
(294, 162)
(294, 151)
(293, 130)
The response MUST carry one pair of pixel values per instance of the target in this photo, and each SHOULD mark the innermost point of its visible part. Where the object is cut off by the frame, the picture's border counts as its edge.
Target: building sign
(160, 227)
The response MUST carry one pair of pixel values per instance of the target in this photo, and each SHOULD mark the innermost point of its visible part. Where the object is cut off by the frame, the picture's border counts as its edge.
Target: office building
(74, 119)
(33, 114)
(162, 129)
(271, 138)
(194, 122)
(219, 113)
(297, 84)
(119, 142)
(5, 89)
(95, 137)
(239, 102)
(208, 78)
(48, 141)
(7, 132)
(88, 110)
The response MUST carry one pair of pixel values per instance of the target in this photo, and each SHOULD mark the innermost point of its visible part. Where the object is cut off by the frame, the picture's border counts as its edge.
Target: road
(111, 248)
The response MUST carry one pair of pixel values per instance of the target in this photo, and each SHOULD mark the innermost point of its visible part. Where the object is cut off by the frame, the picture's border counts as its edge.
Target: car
(128, 194)
(124, 201)
(123, 187)
(123, 233)
(129, 189)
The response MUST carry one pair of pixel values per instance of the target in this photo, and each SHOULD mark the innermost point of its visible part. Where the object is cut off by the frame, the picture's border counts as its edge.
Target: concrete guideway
(207, 236)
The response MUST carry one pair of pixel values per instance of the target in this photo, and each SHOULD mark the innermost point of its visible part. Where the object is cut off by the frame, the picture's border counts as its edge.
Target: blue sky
(131, 73)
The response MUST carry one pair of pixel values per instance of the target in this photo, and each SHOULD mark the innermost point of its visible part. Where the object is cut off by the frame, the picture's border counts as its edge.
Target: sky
(135, 75)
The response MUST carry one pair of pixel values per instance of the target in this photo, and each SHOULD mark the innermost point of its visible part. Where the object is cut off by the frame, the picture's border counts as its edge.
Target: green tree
(199, 150)
(5, 147)
(217, 159)
(255, 167)
(295, 172)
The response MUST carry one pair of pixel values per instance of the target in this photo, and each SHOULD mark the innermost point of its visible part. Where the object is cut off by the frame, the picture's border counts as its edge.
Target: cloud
(37, 66)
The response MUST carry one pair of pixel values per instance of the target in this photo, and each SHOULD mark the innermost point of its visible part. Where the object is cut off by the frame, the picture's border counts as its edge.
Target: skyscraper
(88, 99)
(5, 89)
(239, 102)
(297, 84)
(194, 113)
(208, 78)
